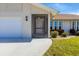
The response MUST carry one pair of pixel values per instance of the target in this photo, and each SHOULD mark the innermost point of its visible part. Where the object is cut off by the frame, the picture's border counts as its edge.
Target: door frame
(45, 26)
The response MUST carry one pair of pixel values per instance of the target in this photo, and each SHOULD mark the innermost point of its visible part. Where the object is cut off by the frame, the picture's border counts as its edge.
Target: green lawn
(69, 47)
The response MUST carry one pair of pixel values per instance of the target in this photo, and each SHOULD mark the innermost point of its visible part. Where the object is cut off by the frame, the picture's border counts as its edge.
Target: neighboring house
(66, 22)
(23, 21)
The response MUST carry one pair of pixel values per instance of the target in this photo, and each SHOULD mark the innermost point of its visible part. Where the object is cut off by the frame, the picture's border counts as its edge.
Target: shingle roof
(66, 16)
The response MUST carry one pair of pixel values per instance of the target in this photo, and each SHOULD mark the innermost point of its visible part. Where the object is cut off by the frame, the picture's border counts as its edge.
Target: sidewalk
(35, 48)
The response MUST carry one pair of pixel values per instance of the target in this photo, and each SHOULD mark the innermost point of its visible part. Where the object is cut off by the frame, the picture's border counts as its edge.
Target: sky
(66, 8)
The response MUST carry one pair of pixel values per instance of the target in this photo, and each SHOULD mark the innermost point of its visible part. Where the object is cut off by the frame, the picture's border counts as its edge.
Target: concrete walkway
(36, 47)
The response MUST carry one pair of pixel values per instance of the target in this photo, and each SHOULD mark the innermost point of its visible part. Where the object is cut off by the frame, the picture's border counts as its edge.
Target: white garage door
(10, 27)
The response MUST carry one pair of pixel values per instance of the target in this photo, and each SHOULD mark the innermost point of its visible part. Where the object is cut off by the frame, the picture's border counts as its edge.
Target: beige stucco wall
(19, 10)
(66, 26)
(37, 10)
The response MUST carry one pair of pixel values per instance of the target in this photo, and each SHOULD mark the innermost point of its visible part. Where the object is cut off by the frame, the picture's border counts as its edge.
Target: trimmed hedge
(60, 31)
(77, 33)
(64, 34)
(72, 31)
(54, 34)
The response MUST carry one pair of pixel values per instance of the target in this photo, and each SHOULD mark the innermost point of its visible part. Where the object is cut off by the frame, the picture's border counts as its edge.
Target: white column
(49, 25)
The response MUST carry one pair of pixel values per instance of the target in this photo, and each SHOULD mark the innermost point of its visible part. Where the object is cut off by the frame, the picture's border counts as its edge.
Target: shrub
(60, 31)
(56, 29)
(54, 34)
(77, 33)
(64, 34)
(72, 31)
(50, 29)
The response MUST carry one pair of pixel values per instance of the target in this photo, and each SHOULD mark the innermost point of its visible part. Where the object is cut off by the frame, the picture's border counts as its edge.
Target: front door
(40, 25)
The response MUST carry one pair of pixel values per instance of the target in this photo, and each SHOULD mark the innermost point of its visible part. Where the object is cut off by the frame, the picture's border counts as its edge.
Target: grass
(64, 47)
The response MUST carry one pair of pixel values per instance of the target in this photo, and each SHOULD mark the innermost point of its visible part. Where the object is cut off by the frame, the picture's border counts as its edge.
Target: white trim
(48, 25)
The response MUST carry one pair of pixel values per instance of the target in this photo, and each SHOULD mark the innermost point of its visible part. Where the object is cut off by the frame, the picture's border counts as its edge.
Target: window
(73, 24)
(60, 24)
(77, 25)
(55, 25)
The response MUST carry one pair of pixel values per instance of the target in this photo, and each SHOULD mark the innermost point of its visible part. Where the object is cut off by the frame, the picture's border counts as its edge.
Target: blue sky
(67, 8)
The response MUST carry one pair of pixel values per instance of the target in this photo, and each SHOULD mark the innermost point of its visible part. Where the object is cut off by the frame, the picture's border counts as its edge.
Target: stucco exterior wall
(16, 12)
(27, 24)
(36, 10)
(66, 26)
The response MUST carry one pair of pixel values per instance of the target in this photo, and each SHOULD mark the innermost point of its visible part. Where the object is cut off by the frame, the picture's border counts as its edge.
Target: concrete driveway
(36, 47)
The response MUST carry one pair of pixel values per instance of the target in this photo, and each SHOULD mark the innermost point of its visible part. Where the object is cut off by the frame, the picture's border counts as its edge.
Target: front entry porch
(39, 25)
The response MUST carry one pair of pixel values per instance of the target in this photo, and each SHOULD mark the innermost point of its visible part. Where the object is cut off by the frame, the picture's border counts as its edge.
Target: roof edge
(52, 11)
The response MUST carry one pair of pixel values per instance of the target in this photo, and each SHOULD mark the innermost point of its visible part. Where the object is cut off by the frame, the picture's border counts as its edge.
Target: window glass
(60, 24)
(74, 24)
(55, 24)
(78, 22)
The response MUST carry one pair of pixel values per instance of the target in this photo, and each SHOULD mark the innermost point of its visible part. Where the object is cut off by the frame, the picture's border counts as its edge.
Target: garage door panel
(10, 27)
